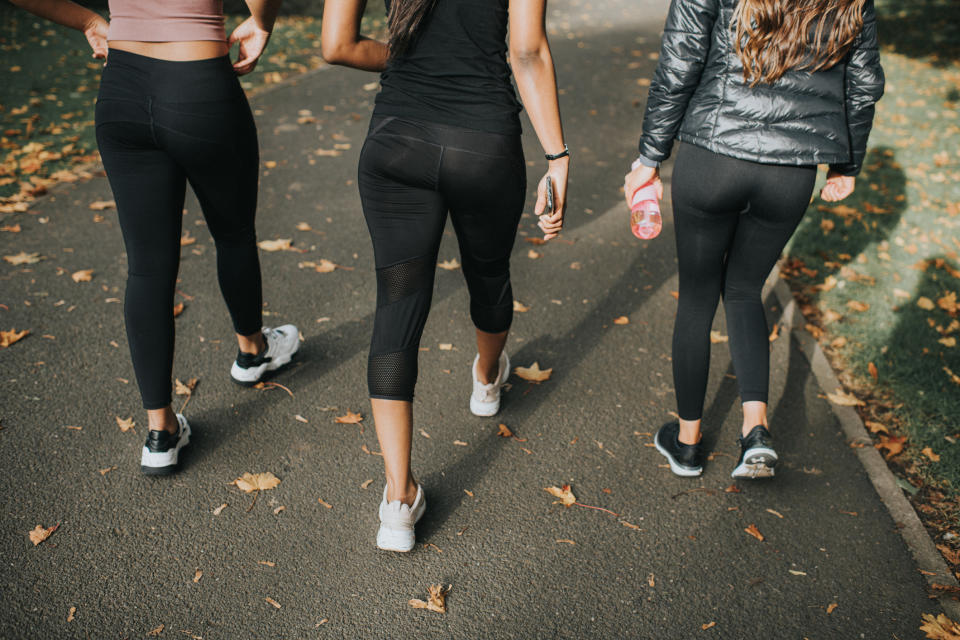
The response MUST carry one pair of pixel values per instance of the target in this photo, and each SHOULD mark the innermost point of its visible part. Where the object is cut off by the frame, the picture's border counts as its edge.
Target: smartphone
(550, 203)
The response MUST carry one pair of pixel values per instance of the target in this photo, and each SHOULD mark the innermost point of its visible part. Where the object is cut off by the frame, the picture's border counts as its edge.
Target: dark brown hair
(773, 36)
(405, 19)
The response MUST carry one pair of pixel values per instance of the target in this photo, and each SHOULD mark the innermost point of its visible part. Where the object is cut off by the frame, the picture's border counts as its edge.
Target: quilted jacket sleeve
(864, 86)
(686, 43)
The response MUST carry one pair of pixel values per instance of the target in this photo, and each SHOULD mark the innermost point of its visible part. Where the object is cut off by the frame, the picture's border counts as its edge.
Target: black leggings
(411, 173)
(161, 124)
(732, 220)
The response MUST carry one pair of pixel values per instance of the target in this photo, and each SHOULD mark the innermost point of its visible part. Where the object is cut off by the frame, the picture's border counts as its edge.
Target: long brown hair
(405, 19)
(773, 36)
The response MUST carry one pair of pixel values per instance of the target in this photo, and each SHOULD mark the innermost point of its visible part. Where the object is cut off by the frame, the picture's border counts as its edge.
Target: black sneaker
(757, 457)
(684, 459)
(162, 449)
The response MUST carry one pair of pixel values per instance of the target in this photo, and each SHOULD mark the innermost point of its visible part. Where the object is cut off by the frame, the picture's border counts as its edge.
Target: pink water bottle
(645, 220)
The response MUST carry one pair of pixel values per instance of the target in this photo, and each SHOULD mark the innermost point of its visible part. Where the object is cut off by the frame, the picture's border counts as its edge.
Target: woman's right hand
(96, 33)
(551, 223)
(640, 177)
(838, 187)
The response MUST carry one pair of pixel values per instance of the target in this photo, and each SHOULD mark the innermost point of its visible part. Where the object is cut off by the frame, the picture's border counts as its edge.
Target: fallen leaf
(220, 509)
(894, 445)
(106, 470)
(504, 431)
(367, 451)
(23, 258)
(940, 628)
(101, 205)
(11, 228)
(325, 503)
(125, 424)
(250, 482)
(875, 427)
(280, 244)
(197, 575)
(794, 572)
(300, 418)
(752, 530)
(324, 266)
(445, 346)
(468, 492)
(304, 226)
(84, 275)
(856, 305)
(927, 451)
(776, 513)
(366, 483)
(704, 627)
(872, 369)
(460, 443)
(948, 342)
(279, 509)
(565, 494)
(948, 303)
(436, 600)
(717, 337)
(630, 525)
(954, 378)
(178, 309)
(925, 303)
(775, 333)
(186, 239)
(519, 307)
(267, 563)
(272, 602)
(39, 533)
(7, 338)
(621, 320)
(70, 615)
(449, 265)
(156, 632)
(349, 418)
(844, 399)
(182, 389)
(533, 373)
(565, 541)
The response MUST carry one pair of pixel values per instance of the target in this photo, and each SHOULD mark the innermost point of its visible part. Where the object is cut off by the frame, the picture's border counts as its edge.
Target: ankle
(488, 374)
(252, 344)
(749, 426)
(163, 420)
(405, 492)
(689, 433)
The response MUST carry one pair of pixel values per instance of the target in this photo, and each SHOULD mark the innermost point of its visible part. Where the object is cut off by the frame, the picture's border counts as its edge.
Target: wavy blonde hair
(774, 36)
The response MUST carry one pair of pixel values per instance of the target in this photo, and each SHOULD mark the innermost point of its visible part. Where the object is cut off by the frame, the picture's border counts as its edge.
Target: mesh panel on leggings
(404, 279)
(392, 375)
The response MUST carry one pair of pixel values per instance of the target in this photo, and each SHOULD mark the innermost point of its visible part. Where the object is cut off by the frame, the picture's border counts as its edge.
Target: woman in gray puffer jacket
(759, 92)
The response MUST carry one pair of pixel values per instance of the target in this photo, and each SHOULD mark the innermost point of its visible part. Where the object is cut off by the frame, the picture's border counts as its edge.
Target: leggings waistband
(127, 75)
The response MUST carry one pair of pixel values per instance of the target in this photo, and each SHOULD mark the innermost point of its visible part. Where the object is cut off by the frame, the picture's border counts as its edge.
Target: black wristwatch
(557, 156)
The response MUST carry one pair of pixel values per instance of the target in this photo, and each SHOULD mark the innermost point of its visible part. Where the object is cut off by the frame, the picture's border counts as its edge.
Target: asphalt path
(132, 553)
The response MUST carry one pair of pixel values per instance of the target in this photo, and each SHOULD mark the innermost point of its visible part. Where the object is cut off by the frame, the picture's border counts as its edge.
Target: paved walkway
(133, 553)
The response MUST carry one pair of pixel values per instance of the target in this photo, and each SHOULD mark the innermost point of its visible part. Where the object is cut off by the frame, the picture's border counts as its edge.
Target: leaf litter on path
(436, 599)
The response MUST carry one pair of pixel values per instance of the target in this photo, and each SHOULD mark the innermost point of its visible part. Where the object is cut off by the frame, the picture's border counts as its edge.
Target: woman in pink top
(171, 111)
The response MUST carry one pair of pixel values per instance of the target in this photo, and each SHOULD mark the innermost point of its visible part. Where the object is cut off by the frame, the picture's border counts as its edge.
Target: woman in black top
(445, 136)
(759, 92)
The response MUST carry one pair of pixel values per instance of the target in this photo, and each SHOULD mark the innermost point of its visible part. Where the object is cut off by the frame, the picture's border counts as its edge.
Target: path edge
(908, 523)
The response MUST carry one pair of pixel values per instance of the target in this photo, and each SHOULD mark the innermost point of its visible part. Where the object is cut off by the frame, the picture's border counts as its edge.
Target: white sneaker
(162, 449)
(282, 343)
(397, 521)
(485, 399)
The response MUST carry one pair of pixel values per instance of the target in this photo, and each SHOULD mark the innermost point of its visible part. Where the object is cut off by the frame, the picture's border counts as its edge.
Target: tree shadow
(921, 29)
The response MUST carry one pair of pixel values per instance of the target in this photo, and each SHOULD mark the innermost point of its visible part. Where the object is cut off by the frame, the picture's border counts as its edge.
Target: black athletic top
(455, 71)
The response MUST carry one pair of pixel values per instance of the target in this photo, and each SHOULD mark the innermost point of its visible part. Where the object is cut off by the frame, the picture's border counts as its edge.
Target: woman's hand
(96, 32)
(253, 40)
(640, 177)
(838, 187)
(552, 222)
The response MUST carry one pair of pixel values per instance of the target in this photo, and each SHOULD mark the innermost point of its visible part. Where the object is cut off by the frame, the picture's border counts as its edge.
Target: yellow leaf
(250, 482)
(948, 342)
(534, 373)
(436, 599)
(925, 303)
(197, 575)
(940, 628)
(7, 338)
(280, 244)
(948, 302)
(565, 494)
(84, 275)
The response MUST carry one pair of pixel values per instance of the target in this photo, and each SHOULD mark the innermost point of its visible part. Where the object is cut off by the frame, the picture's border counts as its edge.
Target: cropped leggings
(161, 124)
(732, 219)
(411, 174)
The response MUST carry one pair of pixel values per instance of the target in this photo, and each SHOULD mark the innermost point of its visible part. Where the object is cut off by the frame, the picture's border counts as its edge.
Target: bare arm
(340, 39)
(253, 34)
(70, 14)
(532, 65)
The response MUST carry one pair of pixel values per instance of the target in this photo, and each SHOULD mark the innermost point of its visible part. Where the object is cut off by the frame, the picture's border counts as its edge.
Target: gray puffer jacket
(698, 95)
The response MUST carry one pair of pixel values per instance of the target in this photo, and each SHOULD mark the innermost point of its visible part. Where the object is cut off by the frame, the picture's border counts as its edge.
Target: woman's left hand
(638, 178)
(253, 40)
(838, 187)
(96, 33)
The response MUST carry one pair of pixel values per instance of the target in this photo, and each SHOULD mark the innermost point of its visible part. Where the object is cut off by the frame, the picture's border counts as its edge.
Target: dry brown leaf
(197, 575)
(304, 226)
(102, 205)
(71, 614)
(565, 493)
(533, 254)
(630, 525)
(40, 533)
(280, 244)
(752, 530)
(675, 295)
(272, 602)
(325, 503)
(565, 541)
(461, 443)
(621, 320)
(11, 228)
(449, 265)
(349, 418)
(185, 389)
(178, 309)
(710, 624)
(23, 258)
(7, 338)
(940, 628)
(927, 451)
(954, 378)
(367, 451)
(948, 303)
(872, 369)
(106, 470)
(875, 427)
(519, 307)
(504, 431)
(844, 399)
(732, 489)
(186, 239)
(324, 266)
(83, 275)
(155, 632)
(651, 581)
(856, 305)
(436, 600)
(445, 346)
(533, 373)
(220, 509)
(925, 303)
(125, 424)
(948, 342)
(775, 333)
(894, 445)
(366, 483)
(716, 337)
(250, 482)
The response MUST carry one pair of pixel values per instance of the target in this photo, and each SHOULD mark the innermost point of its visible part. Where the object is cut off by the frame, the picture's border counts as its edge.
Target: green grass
(894, 246)
(50, 85)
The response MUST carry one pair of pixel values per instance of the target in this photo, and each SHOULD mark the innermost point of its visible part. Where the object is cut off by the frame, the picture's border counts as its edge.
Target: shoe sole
(385, 543)
(263, 369)
(674, 466)
(757, 463)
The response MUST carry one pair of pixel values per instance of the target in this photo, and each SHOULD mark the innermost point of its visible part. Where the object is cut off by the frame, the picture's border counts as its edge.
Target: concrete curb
(911, 529)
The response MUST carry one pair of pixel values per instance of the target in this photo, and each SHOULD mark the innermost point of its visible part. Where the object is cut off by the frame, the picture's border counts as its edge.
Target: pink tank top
(166, 20)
